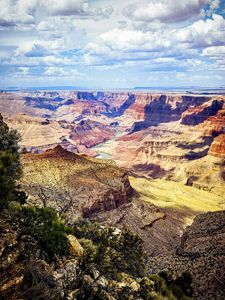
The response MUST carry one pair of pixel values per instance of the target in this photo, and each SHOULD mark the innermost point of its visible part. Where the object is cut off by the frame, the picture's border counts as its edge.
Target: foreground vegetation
(38, 260)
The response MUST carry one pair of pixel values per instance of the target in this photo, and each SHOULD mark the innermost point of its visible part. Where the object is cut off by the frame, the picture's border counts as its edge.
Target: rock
(74, 184)
(217, 147)
(199, 114)
(202, 254)
(77, 249)
(66, 276)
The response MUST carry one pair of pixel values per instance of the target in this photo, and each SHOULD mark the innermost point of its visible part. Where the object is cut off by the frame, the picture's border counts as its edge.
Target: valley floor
(185, 200)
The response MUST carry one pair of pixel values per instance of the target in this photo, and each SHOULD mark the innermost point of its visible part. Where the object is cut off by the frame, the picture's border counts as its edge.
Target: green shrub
(44, 225)
(115, 253)
(10, 167)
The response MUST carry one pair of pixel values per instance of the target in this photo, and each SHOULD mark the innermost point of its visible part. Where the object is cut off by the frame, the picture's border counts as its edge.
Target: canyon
(172, 136)
(150, 162)
(157, 142)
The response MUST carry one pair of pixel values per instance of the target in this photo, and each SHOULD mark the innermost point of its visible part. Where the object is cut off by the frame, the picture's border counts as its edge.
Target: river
(103, 149)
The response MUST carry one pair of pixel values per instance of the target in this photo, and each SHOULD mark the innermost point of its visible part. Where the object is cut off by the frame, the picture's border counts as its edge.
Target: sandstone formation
(79, 186)
(90, 133)
(202, 253)
(198, 114)
(217, 147)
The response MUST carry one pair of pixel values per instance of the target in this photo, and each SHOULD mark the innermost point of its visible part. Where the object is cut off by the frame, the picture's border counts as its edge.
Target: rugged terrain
(165, 142)
(164, 166)
(202, 253)
(81, 186)
(75, 185)
(171, 136)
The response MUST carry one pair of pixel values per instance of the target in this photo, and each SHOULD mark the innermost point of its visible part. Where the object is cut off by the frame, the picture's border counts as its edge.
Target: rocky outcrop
(90, 133)
(196, 115)
(74, 184)
(160, 108)
(214, 125)
(202, 254)
(25, 271)
(217, 147)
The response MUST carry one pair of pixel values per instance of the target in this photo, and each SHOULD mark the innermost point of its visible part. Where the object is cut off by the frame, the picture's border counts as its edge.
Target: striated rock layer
(217, 147)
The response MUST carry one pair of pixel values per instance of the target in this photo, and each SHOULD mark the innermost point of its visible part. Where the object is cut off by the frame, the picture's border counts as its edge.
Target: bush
(44, 225)
(114, 252)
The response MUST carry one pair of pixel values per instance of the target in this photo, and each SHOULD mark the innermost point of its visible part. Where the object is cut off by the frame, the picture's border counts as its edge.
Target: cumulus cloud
(15, 12)
(80, 8)
(55, 39)
(203, 33)
(24, 70)
(38, 48)
(165, 10)
(50, 60)
(214, 51)
(129, 40)
(20, 11)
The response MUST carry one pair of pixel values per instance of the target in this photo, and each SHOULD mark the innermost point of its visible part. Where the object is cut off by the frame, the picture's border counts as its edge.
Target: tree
(10, 166)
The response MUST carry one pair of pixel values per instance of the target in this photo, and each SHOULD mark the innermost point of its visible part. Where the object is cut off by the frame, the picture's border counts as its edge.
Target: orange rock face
(215, 124)
(217, 147)
(196, 115)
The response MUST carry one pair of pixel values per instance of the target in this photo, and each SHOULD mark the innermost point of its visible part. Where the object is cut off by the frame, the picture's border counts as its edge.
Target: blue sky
(112, 44)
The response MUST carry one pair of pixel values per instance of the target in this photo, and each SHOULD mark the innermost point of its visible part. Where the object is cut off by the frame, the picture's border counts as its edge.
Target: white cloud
(214, 51)
(60, 72)
(203, 33)
(24, 70)
(55, 38)
(165, 10)
(38, 48)
(49, 60)
(130, 40)
(13, 12)
(80, 8)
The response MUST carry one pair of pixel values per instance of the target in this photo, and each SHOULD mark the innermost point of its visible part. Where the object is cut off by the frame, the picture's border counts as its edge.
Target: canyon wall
(201, 253)
(77, 185)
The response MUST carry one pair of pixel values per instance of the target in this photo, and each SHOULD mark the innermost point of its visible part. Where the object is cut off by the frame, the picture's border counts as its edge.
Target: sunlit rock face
(73, 184)
(197, 115)
(140, 134)
(217, 147)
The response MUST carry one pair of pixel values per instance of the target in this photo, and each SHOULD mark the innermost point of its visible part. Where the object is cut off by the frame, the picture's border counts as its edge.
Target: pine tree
(10, 166)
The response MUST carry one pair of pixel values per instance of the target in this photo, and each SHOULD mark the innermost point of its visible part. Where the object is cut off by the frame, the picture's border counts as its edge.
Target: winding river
(103, 149)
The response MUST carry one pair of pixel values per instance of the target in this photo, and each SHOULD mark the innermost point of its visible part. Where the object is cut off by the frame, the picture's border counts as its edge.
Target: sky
(112, 44)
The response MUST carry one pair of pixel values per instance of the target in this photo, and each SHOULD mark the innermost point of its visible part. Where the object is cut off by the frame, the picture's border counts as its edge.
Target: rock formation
(202, 253)
(199, 114)
(79, 186)
(217, 147)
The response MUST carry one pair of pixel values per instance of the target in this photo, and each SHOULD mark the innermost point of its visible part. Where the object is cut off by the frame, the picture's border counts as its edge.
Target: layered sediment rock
(196, 115)
(217, 147)
(90, 133)
(160, 108)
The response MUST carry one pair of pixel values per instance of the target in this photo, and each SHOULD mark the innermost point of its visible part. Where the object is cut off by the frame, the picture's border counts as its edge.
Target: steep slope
(202, 253)
(74, 184)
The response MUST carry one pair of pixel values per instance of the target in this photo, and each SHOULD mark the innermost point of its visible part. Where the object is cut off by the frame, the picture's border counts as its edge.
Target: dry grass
(169, 194)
